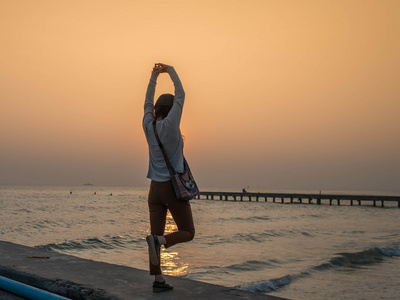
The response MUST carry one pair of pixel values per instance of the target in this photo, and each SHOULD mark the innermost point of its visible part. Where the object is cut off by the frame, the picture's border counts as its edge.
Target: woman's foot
(154, 249)
(159, 287)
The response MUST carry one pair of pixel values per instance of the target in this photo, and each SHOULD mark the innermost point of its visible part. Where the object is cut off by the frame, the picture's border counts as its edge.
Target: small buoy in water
(70, 192)
(111, 194)
(94, 193)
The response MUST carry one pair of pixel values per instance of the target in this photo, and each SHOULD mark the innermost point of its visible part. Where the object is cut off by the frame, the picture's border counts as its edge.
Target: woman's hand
(160, 68)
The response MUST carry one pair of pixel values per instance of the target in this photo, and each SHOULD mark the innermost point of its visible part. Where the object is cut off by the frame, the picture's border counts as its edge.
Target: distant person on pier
(166, 114)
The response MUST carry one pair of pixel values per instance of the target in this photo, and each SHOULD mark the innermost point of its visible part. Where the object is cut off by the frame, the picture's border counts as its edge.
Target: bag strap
(170, 168)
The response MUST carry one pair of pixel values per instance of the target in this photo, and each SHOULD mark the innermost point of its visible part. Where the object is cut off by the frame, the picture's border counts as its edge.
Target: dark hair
(163, 106)
(161, 111)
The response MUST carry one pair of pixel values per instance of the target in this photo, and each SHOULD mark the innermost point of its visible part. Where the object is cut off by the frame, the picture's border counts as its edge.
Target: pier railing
(300, 198)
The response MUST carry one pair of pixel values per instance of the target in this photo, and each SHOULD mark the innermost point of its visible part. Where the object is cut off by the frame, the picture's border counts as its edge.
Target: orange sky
(279, 94)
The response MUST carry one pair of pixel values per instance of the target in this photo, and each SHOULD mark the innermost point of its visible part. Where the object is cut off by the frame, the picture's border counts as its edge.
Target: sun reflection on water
(171, 263)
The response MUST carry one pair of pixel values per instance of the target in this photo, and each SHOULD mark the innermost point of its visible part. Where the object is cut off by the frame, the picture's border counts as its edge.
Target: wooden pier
(301, 198)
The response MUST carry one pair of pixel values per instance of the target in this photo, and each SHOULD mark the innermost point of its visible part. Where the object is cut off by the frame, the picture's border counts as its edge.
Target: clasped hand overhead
(160, 68)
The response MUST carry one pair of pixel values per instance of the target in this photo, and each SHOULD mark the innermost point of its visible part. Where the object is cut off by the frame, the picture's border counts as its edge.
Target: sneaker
(159, 287)
(154, 249)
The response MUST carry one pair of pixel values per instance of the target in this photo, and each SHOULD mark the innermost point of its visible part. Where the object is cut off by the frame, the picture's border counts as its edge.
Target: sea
(290, 250)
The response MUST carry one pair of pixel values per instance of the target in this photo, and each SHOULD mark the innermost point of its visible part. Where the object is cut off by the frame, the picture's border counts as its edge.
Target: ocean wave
(247, 237)
(262, 236)
(266, 286)
(262, 218)
(106, 242)
(391, 251)
(250, 265)
(245, 219)
(258, 237)
(346, 260)
(354, 259)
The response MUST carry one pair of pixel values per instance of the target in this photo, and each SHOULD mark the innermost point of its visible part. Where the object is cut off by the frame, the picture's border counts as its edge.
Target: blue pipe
(27, 291)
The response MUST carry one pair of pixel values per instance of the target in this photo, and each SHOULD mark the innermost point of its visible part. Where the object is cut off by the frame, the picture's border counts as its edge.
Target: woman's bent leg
(182, 214)
(183, 218)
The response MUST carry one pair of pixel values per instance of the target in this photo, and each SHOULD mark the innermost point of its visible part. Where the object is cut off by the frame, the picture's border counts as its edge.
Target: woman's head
(163, 106)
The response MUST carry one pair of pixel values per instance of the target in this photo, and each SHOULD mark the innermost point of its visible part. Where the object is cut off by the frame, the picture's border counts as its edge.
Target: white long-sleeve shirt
(168, 130)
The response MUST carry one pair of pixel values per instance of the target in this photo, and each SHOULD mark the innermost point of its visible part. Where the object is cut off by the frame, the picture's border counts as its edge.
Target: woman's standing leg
(158, 214)
(161, 198)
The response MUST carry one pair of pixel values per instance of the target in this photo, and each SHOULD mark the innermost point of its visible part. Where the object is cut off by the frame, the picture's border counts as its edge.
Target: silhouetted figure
(165, 115)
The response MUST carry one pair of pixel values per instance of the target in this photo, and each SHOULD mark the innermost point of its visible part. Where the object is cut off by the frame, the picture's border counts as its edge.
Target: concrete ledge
(82, 279)
(60, 287)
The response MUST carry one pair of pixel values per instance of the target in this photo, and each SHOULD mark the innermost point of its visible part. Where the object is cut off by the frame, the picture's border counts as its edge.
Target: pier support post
(351, 202)
(383, 205)
(301, 200)
(319, 201)
(291, 199)
(282, 201)
(338, 202)
(330, 201)
(273, 200)
(374, 203)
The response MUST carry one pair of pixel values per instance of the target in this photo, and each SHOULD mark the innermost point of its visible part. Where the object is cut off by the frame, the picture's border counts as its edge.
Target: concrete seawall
(78, 278)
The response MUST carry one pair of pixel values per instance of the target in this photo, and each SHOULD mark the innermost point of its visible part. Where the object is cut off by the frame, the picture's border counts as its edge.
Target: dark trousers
(162, 198)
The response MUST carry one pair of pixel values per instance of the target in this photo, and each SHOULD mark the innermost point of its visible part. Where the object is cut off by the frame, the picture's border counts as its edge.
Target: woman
(167, 114)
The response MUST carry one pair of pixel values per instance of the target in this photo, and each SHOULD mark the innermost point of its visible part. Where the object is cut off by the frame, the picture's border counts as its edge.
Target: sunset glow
(279, 94)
